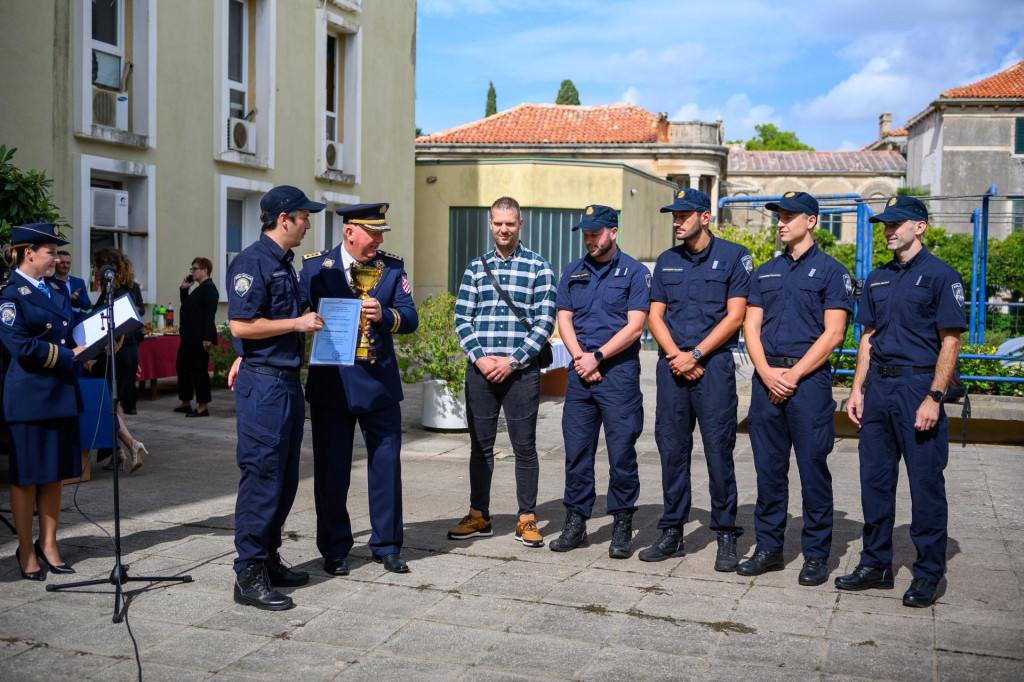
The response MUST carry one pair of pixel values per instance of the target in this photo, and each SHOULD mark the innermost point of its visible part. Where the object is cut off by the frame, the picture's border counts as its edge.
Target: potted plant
(432, 355)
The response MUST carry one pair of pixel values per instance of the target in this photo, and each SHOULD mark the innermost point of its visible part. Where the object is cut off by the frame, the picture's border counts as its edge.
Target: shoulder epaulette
(314, 255)
(388, 255)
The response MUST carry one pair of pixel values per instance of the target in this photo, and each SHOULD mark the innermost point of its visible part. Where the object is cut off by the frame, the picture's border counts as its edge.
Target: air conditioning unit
(241, 135)
(110, 108)
(109, 209)
(333, 155)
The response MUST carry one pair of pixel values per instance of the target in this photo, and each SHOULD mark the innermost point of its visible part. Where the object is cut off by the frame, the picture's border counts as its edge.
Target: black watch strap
(936, 396)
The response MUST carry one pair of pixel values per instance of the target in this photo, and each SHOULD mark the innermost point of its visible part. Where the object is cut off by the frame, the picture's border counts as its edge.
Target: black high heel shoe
(63, 568)
(29, 575)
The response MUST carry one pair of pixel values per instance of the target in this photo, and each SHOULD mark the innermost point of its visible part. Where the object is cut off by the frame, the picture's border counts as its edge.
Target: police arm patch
(242, 283)
(848, 283)
(405, 284)
(647, 278)
(8, 313)
(958, 294)
(748, 264)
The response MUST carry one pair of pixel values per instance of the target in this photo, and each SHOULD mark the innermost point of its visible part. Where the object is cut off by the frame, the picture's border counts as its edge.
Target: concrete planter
(441, 410)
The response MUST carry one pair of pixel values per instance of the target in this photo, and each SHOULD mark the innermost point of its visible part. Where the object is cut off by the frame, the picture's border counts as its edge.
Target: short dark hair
(64, 253)
(505, 204)
(204, 263)
(271, 221)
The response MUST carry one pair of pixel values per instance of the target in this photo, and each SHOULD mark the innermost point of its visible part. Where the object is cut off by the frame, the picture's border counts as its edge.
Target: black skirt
(45, 451)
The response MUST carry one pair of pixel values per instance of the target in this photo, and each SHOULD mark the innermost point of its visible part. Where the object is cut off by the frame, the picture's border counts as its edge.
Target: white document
(92, 331)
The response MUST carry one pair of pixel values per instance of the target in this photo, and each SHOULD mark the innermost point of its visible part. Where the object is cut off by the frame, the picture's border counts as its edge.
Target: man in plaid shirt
(503, 371)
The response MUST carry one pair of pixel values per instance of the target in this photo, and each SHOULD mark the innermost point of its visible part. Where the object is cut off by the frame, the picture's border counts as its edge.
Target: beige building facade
(163, 123)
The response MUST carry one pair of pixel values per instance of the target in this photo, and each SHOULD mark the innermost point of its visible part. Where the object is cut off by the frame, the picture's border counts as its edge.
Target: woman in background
(198, 332)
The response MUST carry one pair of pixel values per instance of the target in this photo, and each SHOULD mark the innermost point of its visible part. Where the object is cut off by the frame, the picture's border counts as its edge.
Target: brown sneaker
(527, 533)
(472, 524)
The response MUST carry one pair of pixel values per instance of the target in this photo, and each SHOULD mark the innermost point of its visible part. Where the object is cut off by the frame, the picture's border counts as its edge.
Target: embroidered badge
(681, 194)
(327, 263)
(748, 263)
(892, 202)
(8, 313)
(958, 294)
(848, 283)
(647, 278)
(405, 284)
(242, 283)
(787, 195)
(24, 291)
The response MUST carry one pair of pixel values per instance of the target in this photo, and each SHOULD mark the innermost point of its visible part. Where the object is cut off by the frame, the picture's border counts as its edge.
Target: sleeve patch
(748, 264)
(958, 294)
(8, 314)
(647, 278)
(242, 283)
(848, 283)
(405, 284)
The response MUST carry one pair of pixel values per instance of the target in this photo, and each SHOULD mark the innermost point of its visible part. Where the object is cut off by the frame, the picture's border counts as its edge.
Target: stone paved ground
(492, 609)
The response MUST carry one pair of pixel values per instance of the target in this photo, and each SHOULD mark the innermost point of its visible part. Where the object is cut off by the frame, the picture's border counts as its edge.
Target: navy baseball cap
(801, 202)
(596, 216)
(689, 200)
(367, 216)
(899, 209)
(285, 199)
(37, 233)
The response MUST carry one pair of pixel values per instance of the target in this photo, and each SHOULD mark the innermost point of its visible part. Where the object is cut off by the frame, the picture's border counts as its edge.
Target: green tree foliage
(492, 101)
(433, 351)
(1006, 265)
(759, 241)
(568, 94)
(912, 192)
(770, 138)
(24, 197)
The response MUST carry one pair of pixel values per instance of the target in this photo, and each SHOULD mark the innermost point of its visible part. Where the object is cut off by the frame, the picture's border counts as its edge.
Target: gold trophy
(364, 279)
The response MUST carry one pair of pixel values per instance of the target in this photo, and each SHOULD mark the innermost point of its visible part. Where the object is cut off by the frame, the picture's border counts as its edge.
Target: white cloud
(739, 116)
(629, 95)
(859, 96)
(848, 146)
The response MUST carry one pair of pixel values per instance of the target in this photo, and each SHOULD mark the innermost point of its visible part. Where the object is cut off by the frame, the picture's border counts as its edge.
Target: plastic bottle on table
(169, 315)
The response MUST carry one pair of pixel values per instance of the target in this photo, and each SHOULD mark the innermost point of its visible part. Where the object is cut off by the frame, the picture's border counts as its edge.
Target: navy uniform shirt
(696, 286)
(794, 295)
(262, 283)
(600, 298)
(907, 305)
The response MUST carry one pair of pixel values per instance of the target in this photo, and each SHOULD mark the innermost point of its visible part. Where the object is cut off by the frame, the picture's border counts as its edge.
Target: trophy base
(366, 355)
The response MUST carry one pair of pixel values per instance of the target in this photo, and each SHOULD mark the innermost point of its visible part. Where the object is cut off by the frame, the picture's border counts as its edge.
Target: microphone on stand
(107, 272)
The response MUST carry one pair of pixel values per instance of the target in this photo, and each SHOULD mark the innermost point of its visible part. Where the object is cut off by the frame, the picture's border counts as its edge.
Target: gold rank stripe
(51, 359)
(398, 320)
(362, 221)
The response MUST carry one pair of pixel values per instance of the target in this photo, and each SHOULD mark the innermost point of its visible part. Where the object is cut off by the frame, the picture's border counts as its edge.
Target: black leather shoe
(726, 559)
(866, 578)
(62, 568)
(574, 533)
(621, 546)
(920, 594)
(814, 572)
(761, 562)
(392, 562)
(668, 546)
(253, 588)
(197, 413)
(282, 576)
(182, 409)
(335, 566)
(29, 575)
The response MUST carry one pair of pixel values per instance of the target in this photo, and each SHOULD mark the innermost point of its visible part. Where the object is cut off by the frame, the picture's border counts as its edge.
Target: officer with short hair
(912, 310)
(796, 316)
(366, 394)
(602, 303)
(698, 297)
(264, 310)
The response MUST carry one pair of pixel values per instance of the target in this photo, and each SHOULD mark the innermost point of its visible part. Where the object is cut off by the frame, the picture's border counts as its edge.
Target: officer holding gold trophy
(367, 393)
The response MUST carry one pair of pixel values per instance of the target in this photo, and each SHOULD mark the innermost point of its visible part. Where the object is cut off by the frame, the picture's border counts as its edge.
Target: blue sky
(825, 69)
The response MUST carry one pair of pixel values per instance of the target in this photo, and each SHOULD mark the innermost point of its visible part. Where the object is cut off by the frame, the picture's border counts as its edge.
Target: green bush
(432, 351)
(24, 197)
(221, 357)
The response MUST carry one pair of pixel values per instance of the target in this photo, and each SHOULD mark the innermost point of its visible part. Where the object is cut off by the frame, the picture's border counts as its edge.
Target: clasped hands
(781, 384)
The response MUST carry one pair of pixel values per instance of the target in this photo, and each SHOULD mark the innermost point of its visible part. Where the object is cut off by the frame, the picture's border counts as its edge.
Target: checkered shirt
(486, 326)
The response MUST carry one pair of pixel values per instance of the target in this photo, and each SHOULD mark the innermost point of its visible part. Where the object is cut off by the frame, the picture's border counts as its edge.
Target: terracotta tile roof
(897, 132)
(816, 162)
(556, 124)
(1005, 84)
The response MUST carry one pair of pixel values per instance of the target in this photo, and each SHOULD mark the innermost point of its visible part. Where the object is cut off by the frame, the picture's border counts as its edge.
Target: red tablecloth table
(157, 359)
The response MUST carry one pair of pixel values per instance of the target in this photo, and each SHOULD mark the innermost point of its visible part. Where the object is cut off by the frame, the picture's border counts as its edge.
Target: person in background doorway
(198, 333)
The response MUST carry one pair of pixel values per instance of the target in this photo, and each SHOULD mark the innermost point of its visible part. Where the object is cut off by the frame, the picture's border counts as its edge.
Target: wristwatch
(697, 355)
(513, 363)
(935, 395)
(598, 355)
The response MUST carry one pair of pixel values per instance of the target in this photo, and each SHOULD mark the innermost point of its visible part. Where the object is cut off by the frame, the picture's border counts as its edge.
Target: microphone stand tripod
(119, 575)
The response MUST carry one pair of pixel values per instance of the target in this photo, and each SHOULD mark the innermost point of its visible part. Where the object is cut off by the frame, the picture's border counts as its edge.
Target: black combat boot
(622, 536)
(574, 533)
(252, 587)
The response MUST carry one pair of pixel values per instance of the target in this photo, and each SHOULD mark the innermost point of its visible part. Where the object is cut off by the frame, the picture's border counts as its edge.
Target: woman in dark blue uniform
(41, 400)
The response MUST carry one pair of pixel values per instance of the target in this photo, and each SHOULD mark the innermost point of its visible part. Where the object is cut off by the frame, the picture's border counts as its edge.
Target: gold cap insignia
(892, 202)
(789, 194)
(590, 210)
(681, 194)
(383, 209)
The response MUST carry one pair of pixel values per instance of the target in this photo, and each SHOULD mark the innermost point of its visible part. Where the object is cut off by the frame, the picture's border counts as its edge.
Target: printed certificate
(335, 344)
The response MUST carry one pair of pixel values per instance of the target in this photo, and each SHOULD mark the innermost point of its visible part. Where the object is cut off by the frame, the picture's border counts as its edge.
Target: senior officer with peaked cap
(366, 393)
(912, 310)
(265, 314)
(602, 302)
(41, 401)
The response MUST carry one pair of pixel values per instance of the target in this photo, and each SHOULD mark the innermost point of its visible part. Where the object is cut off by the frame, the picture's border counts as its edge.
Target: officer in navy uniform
(367, 393)
(602, 303)
(698, 298)
(796, 316)
(41, 401)
(264, 309)
(912, 310)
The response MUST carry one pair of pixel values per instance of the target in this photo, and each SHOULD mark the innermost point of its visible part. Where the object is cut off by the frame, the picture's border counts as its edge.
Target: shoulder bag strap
(505, 297)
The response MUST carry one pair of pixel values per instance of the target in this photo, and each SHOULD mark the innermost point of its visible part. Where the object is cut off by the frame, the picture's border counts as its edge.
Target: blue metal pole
(976, 219)
(983, 262)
